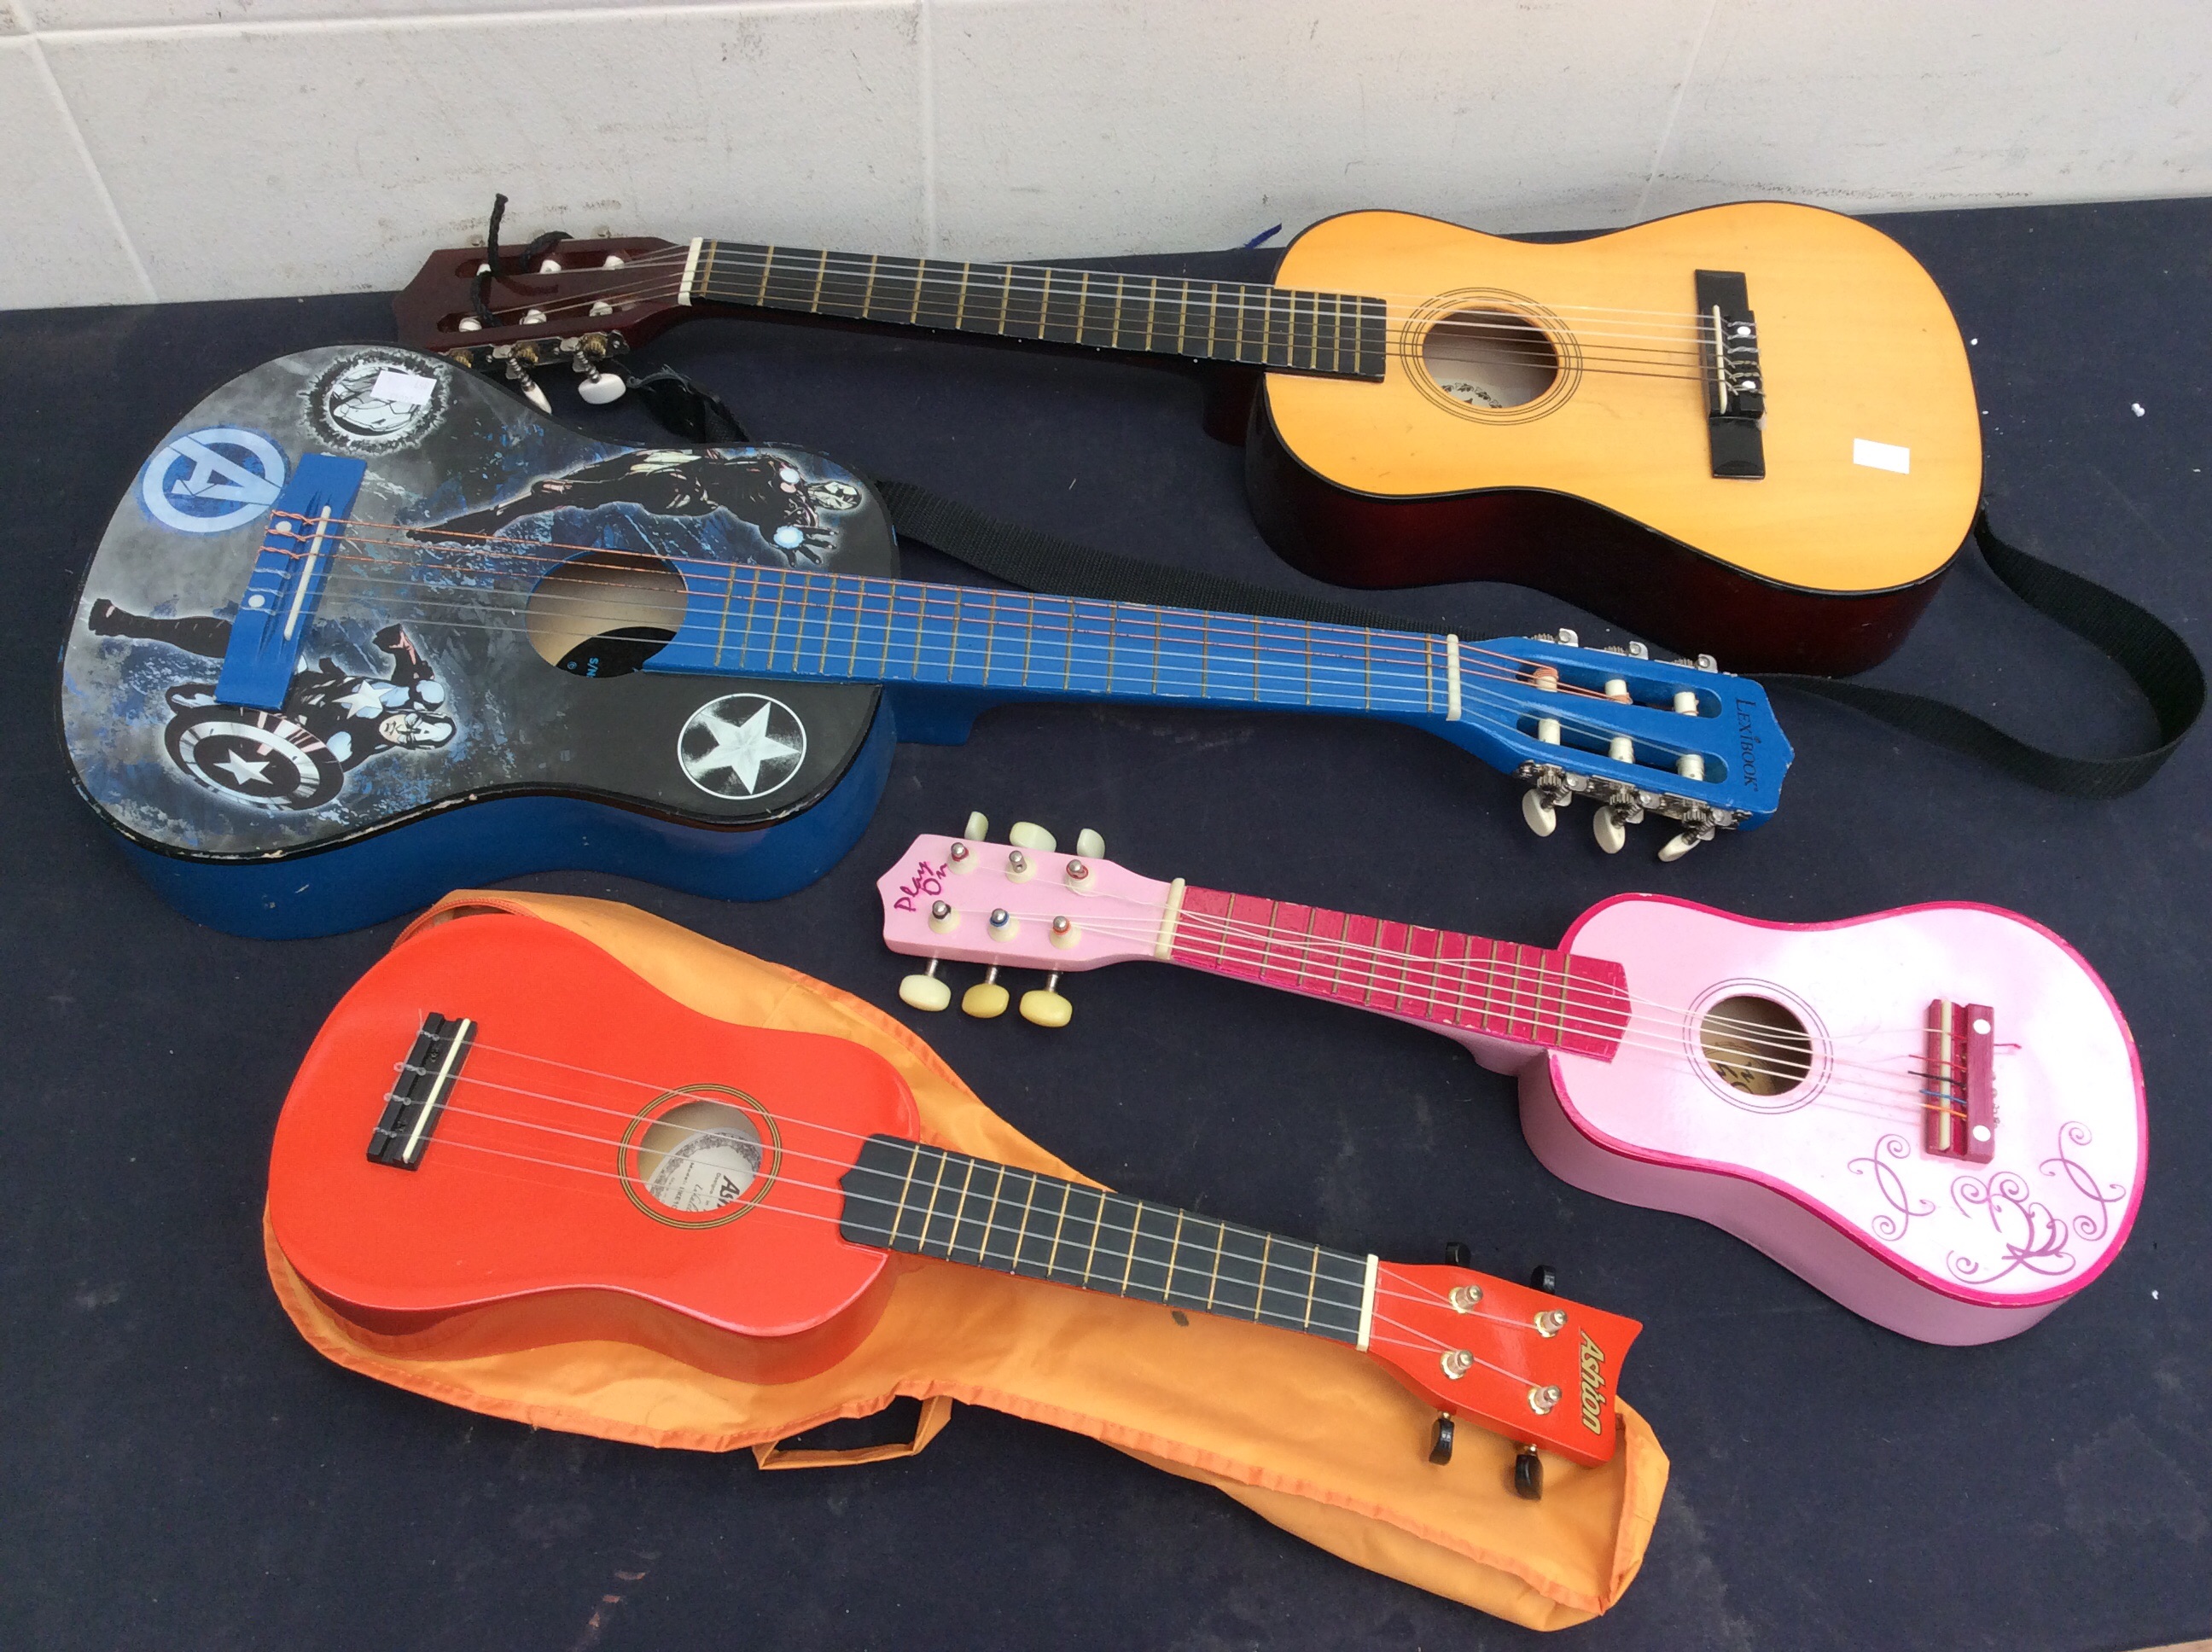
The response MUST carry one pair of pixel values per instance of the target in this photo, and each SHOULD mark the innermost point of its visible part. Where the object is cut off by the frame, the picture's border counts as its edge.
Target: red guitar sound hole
(700, 1157)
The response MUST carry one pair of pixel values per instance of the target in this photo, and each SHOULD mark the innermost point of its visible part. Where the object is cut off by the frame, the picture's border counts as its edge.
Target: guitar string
(1134, 1230)
(1400, 647)
(1409, 1337)
(1343, 674)
(719, 284)
(1205, 628)
(1211, 627)
(1144, 924)
(1638, 1019)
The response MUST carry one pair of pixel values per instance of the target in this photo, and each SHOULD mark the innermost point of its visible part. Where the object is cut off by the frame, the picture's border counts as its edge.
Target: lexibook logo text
(1593, 1384)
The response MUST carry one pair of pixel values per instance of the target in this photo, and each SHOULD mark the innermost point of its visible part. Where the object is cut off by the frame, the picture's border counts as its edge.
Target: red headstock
(584, 304)
(1521, 1362)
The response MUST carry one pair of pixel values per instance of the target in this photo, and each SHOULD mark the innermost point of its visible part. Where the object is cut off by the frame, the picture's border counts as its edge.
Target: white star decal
(741, 748)
(365, 700)
(246, 773)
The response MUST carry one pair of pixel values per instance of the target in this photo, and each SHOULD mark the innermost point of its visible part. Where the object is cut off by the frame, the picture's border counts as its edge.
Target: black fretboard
(1332, 334)
(903, 1195)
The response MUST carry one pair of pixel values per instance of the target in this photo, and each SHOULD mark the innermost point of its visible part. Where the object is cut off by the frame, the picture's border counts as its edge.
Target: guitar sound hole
(700, 1157)
(1756, 1046)
(1490, 358)
(606, 612)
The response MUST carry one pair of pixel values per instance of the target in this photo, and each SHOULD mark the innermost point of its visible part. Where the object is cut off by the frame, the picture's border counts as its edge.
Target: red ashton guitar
(503, 1138)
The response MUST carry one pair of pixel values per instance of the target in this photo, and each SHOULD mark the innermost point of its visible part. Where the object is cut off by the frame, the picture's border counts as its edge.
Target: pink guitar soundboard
(1934, 1114)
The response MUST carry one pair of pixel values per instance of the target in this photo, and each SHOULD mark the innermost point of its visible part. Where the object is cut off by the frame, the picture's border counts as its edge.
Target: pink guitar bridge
(1961, 1111)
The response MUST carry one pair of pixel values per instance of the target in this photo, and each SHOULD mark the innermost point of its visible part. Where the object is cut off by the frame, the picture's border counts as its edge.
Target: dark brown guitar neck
(1335, 334)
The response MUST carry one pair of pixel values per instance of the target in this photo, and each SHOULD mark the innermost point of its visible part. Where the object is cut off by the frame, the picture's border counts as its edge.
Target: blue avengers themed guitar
(368, 626)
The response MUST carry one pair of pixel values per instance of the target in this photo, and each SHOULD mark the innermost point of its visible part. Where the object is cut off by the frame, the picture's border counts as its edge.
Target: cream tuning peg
(1089, 846)
(601, 388)
(1028, 834)
(1611, 832)
(534, 394)
(986, 1000)
(978, 829)
(1537, 811)
(1682, 842)
(1044, 1007)
(925, 991)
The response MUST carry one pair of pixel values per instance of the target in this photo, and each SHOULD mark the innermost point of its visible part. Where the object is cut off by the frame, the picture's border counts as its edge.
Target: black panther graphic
(333, 720)
(763, 490)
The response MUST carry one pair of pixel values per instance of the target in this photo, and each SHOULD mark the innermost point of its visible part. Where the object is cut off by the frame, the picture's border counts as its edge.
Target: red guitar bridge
(1962, 1109)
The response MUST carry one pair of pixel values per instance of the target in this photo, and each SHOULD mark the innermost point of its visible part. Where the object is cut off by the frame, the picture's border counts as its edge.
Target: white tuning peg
(1043, 1007)
(1606, 826)
(925, 991)
(1538, 812)
(978, 829)
(601, 388)
(986, 1000)
(1028, 834)
(1680, 845)
(534, 392)
(1090, 846)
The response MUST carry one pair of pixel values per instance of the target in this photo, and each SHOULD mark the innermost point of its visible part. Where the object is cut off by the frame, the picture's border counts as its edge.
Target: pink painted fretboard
(1527, 994)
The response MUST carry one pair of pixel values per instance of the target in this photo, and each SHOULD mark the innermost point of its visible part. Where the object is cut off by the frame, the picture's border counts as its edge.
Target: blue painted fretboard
(772, 623)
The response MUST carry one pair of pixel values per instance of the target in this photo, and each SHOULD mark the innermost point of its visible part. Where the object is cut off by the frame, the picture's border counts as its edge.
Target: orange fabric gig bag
(1313, 1436)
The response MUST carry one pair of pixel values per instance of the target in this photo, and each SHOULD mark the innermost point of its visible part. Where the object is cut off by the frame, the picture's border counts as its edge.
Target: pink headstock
(1112, 914)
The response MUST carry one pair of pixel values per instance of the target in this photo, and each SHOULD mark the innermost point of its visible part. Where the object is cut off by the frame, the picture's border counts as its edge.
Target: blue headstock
(1631, 734)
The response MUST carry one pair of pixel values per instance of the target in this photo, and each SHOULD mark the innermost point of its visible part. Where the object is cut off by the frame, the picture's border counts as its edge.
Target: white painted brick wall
(219, 149)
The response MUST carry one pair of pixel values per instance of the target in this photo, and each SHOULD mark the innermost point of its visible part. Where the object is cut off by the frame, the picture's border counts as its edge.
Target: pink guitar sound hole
(1755, 1045)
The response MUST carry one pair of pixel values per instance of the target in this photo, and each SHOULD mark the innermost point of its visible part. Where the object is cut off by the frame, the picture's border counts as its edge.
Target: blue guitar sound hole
(605, 613)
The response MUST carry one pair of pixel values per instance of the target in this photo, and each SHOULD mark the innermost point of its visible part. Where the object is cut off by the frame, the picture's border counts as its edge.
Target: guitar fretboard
(1524, 994)
(1332, 334)
(928, 1201)
(830, 627)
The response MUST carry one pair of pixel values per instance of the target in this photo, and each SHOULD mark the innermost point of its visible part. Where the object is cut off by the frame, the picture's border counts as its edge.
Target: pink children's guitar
(1934, 1114)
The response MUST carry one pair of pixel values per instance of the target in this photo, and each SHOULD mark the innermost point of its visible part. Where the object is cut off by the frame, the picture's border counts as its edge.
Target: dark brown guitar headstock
(583, 306)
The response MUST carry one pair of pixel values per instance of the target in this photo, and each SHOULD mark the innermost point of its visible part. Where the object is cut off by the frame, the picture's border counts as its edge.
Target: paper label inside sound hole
(707, 1171)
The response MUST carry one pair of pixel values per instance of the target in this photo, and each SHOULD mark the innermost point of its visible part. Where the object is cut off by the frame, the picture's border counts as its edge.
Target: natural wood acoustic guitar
(1748, 430)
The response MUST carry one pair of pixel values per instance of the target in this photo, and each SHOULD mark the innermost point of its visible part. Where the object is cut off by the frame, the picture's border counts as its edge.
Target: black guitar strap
(2140, 644)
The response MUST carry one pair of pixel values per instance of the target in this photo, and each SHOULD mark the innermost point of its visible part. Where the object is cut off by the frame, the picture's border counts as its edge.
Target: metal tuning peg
(986, 1000)
(1528, 1474)
(978, 829)
(1089, 846)
(1044, 1006)
(925, 991)
(1440, 1443)
(1028, 834)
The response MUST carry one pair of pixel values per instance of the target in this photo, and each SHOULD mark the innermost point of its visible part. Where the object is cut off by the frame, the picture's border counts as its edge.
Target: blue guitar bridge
(312, 516)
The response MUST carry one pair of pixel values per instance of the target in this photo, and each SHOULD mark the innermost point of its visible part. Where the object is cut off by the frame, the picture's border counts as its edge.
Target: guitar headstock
(1021, 904)
(1522, 1363)
(1633, 734)
(582, 301)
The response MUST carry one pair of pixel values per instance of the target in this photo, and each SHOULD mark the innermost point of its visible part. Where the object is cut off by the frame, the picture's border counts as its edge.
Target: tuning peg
(610, 261)
(1027, 835)
(1528, 1474)
(979, 828)
(1440, 1443)
(534, 394)
(550, 267)
(1090, 846)
(1457, 1255)
(1544, 1278)
(533, 317)
(986, 1000)
(1606, 825)
(601, 388)
(1043, 1007)
(925, 991)
(1536, 810)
